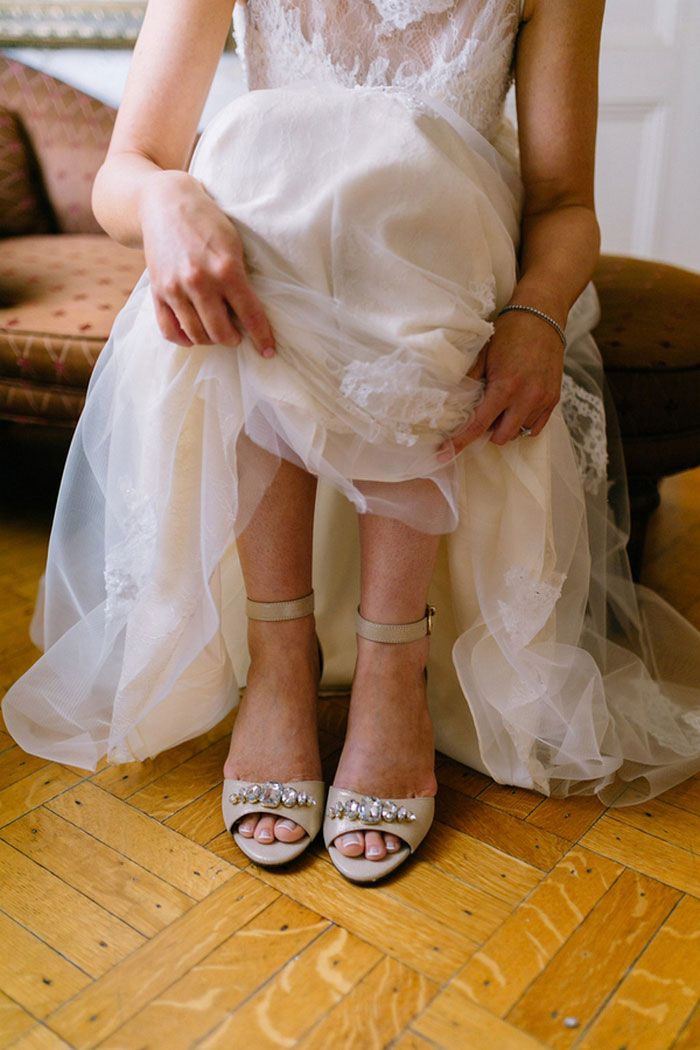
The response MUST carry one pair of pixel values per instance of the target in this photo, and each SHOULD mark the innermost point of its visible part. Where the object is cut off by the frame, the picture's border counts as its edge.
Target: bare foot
(275, 735)
(388, 750)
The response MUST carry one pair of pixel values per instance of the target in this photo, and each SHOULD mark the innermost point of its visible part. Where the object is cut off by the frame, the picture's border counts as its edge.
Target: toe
(374, 846)
(247, 826)
(288, 831)
(265, 830)
(392, 843)
(351, 845)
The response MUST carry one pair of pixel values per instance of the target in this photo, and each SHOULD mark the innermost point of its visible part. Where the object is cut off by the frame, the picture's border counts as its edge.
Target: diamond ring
(525, 432)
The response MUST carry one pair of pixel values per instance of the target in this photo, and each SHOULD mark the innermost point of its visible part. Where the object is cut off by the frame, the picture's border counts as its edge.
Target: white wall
(648, 172)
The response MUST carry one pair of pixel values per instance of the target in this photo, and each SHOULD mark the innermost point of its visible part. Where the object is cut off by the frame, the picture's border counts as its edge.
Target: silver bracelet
(538, 313)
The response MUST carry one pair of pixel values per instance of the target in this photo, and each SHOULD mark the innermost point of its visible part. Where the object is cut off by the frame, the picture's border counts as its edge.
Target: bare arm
(143, 196)
(556, 85)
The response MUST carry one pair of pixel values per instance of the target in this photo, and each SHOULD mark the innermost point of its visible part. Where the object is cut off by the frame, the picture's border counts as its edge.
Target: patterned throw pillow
(23, 206)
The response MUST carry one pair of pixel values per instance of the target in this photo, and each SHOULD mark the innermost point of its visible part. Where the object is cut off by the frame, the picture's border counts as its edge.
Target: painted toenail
(266, 836)
(288, 825)
(373, 851)
(352, 840)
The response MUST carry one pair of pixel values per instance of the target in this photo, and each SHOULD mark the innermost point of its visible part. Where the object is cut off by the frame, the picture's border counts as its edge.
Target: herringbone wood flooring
(130, 920)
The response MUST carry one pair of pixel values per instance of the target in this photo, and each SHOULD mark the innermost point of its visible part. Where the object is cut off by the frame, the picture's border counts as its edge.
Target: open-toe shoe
(409, 819)
(299, 800)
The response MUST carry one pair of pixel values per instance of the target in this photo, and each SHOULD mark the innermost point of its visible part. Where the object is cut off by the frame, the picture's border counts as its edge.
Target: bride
(357, 299)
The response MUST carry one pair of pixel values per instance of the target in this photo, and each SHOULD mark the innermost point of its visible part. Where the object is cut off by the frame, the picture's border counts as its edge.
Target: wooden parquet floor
(130, 921)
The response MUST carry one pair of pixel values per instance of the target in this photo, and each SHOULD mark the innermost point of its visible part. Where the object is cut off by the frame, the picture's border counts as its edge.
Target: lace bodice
(457, 51)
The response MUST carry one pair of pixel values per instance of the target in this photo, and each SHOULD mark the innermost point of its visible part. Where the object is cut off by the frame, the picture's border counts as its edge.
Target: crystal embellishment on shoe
(370, 810)
(409, 819)
(272, 795)
(303, 801)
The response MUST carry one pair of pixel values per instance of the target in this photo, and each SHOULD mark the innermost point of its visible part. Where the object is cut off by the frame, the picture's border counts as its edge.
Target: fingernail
(268, 351)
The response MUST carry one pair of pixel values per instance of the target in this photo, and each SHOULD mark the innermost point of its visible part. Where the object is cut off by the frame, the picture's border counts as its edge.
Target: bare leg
(388, 748)
(275, 734)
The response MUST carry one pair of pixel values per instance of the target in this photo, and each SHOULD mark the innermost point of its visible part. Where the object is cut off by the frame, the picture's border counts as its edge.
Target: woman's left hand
(522, 369)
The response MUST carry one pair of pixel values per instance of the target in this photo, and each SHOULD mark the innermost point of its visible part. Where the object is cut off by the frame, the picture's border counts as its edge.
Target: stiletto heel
(300, 800)
(409, 819)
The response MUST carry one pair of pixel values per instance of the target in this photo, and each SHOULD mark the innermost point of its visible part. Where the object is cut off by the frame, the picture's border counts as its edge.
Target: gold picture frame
(70, 23)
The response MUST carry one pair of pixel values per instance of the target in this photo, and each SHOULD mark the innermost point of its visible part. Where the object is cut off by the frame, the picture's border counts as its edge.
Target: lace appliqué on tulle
(659, 718)
(529, 604)
(413, 103)
(483, 296)
(397, 14)
(459, 53)
(127, 563)
(584, 415)
(395, 394)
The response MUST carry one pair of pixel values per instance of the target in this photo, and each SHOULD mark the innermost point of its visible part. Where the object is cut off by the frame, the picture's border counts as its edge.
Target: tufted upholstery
(69, 133)
(58, 299)
(62, 281)
(23, 204)
(649, 336)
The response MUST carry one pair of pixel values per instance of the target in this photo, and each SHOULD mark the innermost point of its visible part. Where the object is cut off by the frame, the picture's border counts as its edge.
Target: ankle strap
(292, 610)
(395, 633)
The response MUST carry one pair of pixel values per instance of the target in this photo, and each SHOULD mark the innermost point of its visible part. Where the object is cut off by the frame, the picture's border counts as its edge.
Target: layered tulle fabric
(379, 309)
(381, 236)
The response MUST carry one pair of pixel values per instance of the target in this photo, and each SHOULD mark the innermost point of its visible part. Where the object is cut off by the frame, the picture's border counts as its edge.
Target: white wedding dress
(375, 187)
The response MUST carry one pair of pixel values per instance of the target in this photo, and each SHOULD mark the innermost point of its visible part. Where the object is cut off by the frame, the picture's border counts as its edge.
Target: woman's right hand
(196, 265)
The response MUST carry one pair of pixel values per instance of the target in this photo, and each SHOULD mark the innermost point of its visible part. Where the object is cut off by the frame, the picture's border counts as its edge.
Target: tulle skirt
(381, 235)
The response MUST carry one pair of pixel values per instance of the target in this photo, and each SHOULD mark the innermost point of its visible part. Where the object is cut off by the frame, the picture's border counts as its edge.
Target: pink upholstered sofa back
(69, 133)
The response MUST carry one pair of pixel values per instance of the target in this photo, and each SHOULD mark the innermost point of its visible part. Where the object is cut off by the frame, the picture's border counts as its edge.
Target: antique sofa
(62, 282)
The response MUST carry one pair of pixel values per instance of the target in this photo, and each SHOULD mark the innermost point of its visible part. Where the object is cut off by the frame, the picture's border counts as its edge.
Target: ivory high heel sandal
(407, 818)
(299, 800)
